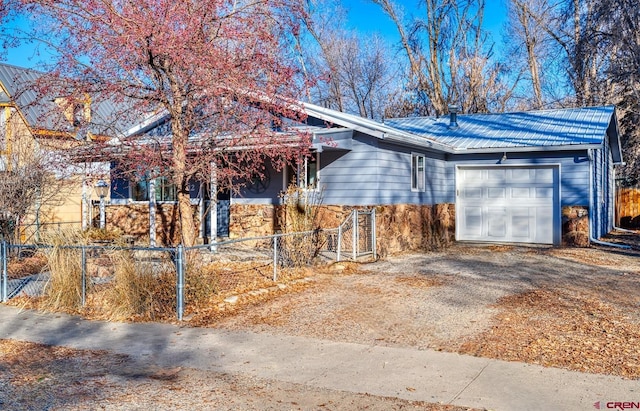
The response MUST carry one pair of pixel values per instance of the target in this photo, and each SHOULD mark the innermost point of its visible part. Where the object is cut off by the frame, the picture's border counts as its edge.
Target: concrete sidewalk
(395, 372)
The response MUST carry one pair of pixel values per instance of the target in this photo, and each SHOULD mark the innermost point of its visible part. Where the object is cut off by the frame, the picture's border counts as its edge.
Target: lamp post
(102, 188)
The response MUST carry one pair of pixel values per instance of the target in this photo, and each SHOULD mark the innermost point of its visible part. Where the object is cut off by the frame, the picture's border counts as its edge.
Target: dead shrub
(139, 291)
(201, 283)
(26, 266)
(300, 213)
(64, 289)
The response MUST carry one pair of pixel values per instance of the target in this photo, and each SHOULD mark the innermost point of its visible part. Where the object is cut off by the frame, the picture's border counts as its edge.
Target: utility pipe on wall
(592, 239)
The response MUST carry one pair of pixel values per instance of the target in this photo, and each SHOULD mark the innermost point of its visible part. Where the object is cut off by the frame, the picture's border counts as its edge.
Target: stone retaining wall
(575, 226)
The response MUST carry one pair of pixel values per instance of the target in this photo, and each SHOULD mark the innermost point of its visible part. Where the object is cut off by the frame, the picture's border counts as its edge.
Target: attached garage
(508, 204)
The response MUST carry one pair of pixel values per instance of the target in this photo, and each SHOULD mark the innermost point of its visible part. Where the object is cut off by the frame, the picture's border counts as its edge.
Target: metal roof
(40, 110)
(524, 130)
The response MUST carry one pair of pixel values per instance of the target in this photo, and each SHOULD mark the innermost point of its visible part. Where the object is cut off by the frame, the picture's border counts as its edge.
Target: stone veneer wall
(404, 227)
(133, 220)
(575, 226)
(252, 220)
(399, 228)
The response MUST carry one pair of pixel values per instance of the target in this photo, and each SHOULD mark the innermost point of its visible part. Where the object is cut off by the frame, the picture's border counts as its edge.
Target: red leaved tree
(219, 69)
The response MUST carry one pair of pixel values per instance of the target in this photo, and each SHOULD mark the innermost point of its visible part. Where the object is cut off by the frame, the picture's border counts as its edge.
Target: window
(165, 190)
(417, 172)
(140, 190)
(311, 171)
(306, 175)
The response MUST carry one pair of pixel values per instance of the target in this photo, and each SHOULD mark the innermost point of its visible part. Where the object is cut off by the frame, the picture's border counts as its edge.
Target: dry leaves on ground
(562, 328)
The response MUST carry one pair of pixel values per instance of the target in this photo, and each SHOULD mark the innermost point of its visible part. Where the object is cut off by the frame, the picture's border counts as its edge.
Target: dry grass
(139, 292)
(64, 290)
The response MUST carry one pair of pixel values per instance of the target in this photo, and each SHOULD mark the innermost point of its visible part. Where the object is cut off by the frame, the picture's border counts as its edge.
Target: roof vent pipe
(453, 116)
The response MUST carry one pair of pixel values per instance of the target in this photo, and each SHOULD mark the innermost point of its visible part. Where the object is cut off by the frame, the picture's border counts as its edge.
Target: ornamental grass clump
(300, 214)
(63, 292)
(139, 291)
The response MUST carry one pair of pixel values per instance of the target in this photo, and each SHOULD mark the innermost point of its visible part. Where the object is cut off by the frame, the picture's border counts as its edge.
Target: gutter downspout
(591, 209)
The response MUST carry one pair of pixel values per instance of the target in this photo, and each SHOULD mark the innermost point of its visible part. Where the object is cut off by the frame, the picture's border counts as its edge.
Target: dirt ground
(570, 308)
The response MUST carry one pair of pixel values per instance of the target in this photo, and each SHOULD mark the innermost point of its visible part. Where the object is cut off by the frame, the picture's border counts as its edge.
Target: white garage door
(506, 204)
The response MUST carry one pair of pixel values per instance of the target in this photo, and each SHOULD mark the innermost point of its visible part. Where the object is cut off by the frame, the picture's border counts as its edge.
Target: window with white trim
(417, 172)
(165, 190)
(311, 171)
(306, 175)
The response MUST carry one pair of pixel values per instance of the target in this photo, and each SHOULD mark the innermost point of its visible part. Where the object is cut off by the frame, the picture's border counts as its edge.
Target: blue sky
(365, 17)
(368, 18)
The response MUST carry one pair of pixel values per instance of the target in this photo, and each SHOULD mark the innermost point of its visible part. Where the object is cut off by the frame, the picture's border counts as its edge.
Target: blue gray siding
(351, 177)
(270, 196)
(603, 191)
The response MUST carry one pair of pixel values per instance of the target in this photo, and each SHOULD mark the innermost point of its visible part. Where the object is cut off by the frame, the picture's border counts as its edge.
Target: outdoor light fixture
(102, 189)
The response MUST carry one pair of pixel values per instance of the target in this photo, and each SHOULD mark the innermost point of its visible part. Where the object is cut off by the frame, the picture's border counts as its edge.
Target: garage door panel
(472, 224)
(521, 222)
(496, 192)
(520, 192)
(497, 222)
(497, 175)
(473, 192)
(507, 204)
(544, 192)
(544, 225)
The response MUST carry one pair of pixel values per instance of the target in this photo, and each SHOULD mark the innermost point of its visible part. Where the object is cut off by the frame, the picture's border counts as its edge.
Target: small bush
(138, 291)
(64, 290)
(98, 234)
(300, 214)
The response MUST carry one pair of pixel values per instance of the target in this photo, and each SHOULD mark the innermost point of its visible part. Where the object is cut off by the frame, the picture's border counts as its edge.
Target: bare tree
(207, 63)
(619, 23)
(525, 37)
(449, 60)
(22, 178)
(356, 75)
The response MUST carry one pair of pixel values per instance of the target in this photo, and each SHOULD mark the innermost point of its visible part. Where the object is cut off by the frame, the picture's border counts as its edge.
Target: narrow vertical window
(417, 172)
(311, 171)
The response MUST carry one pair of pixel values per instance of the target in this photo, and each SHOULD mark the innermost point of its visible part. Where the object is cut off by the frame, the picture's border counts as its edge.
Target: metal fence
(175, 279)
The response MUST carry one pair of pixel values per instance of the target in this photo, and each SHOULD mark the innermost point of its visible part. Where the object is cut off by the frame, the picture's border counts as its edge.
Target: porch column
(84, 207)
(213, 205)
(152, 212)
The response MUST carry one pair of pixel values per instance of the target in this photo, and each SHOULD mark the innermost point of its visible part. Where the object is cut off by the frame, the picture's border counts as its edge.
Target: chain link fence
(155, 282)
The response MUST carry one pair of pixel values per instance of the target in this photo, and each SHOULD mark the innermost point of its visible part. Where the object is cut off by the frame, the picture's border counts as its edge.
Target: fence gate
(357, 236)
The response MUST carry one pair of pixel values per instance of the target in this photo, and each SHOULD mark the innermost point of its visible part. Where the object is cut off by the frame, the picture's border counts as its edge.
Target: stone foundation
(404, 227)
(252, 220)
(399, 228)
(133, 220)
(575, 226)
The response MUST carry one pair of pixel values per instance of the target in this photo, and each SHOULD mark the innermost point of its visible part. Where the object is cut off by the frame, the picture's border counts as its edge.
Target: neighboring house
(543, 177)
(36, 128)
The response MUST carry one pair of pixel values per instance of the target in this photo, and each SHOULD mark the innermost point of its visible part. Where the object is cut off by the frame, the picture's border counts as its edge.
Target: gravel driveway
(443, 300)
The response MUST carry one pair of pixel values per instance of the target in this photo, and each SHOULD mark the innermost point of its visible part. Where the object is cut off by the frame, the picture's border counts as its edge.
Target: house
(35, 127)
(539, 177)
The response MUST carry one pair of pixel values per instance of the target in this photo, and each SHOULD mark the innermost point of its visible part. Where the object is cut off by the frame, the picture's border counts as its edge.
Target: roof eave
(522, 149)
